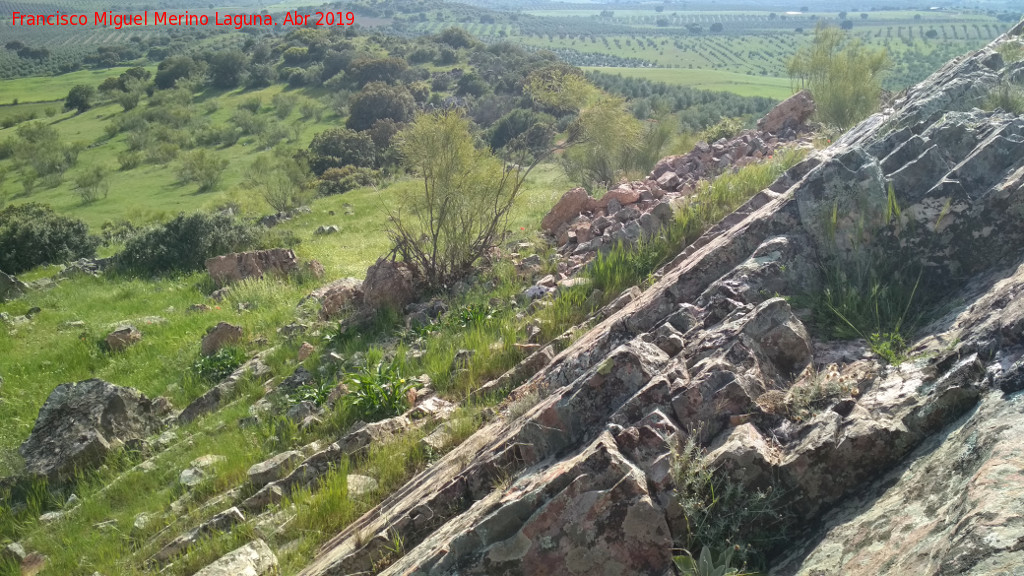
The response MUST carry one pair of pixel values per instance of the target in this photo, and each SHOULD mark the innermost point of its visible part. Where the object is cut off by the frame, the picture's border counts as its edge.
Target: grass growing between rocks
(725, 519)
(869, 292)
(715, 199)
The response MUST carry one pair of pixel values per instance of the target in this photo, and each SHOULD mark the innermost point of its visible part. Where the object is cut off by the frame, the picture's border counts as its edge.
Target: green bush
(218, 366)
(725, 128)
(844, 76)
(185, 243)
(723, 517)
(33, 234)
(341, 180)
(378, 391)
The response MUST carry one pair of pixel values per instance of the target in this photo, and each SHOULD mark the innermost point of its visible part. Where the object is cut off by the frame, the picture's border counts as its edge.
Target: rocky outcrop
(907, 468)
(239, 266)
(123, 338)
(253, 559)
(80, 423)
(337, 297)
(582, 225)
(388, 284)
(793, 113)
(219, 336)
(225, 389)
(11, 287)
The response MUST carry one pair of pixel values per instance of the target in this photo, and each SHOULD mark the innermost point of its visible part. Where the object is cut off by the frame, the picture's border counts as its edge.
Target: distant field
(45, 88)
(743, 84)
(750, 51)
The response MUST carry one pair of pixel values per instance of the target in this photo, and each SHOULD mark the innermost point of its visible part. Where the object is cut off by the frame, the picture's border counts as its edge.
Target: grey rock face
(911, 469)
(11, 287)
(253, 559)
(81, 422)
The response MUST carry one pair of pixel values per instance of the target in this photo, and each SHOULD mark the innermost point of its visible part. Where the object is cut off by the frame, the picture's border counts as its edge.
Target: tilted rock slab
(253, 559)
(917, 472)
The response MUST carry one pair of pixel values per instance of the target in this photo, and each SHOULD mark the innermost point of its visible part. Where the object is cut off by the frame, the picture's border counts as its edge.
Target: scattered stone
(359, 485)
(220, 523)
(253, 559)
(569, 206)
(123, 338)
(273, 469)
(325, 230)
(239, 266)
(300, 411)
(219, 336)
(337, 297)
(80, 423)
(792, 114)
(388, 284)
(11, 287)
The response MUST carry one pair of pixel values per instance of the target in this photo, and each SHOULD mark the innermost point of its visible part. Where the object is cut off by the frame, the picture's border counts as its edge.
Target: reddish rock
(568, 207)
(337, 297)
(122, 338)
(388, 283)
(792, 112)
(239, 266)
(221, 335)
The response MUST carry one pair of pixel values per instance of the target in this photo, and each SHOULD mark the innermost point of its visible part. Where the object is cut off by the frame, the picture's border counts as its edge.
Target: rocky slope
(907, 469)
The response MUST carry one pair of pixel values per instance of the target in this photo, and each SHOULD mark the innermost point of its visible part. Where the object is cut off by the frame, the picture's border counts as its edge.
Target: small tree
(203, 168)
(91, 184)
(79, 98)
(462, 207)
(844, 76)
(280, 180)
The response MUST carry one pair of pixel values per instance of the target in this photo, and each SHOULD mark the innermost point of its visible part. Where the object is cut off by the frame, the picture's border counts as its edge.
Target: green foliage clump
(202, 167)
(33, 234)
(725, 128)
(707, 565)
(185, 243)
(219, 365)
(91, 184)
(379, 390)
(377, 101)
(1005, 97)
(625, 266)
(79, 98)
(461, 208)
(869, 292)
(723, 516)
(339, 147)
(341, 180)
(1011, 50)
(282, 181)
(844, 76)
(721, 196)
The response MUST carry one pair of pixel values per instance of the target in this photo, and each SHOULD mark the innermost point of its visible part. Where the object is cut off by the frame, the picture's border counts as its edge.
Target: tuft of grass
(1011, 50)
(720, 197)
(1005, 97)
(722, 515)
(869, 293)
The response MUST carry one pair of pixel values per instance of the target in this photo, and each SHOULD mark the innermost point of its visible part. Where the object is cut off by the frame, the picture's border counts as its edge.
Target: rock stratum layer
(915, 469)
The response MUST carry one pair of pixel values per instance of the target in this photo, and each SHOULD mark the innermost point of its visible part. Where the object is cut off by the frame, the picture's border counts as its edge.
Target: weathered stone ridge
(931, 445)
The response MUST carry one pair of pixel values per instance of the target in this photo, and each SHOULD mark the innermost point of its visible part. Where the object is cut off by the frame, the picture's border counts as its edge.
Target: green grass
(47, 88)
(721, 80)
